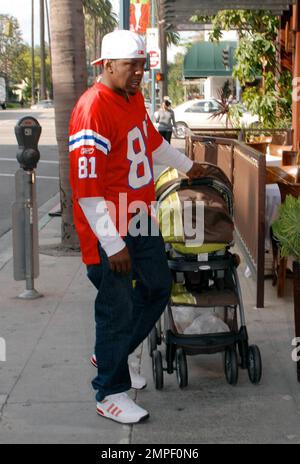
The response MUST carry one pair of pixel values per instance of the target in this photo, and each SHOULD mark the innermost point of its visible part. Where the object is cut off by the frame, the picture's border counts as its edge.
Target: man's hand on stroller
(196, 171)
(120, 262)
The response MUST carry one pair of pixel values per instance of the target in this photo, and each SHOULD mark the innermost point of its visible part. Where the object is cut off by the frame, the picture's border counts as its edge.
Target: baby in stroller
(205, 314)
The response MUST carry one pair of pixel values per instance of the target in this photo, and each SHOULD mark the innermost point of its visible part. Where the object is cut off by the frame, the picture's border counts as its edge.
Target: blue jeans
(125, 315)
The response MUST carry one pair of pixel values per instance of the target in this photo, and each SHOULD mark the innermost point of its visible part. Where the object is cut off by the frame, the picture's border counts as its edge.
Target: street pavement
(45, 391)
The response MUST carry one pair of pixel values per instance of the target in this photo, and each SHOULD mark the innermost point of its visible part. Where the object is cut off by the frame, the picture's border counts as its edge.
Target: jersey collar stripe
(88, 141)
(87, 137)
(90, 132)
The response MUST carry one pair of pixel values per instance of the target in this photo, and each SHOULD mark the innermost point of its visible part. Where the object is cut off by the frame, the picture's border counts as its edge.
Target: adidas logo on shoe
(120, 408)
(138, 382)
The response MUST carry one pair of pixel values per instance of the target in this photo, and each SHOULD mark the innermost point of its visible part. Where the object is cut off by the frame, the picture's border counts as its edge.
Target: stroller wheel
(254, 364)
(157, 369)
(236, 260)
(231, 365)
(152, 341)
(181, 368)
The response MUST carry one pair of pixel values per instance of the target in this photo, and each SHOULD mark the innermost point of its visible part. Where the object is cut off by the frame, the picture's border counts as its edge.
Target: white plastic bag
(183, 316)
(206, 323)
(247, 272)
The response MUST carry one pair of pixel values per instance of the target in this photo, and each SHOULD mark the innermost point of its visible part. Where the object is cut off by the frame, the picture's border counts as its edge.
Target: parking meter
(24, 209)
(28, 131)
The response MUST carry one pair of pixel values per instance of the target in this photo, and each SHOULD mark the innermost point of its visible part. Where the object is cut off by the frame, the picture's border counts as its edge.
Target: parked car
(43, 104)
(248, 120)
(197, 114)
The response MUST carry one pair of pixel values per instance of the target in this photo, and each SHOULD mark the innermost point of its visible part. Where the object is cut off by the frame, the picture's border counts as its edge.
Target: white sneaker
(120, 408)
(138, 382)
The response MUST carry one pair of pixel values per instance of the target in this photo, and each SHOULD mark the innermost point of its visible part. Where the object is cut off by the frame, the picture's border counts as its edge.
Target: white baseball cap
(121, 44)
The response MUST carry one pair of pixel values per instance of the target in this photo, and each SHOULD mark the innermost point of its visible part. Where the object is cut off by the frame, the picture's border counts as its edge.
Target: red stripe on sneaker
(94, 361)
(99, 411)
(110, 407)
(119, 412)
(114, 410)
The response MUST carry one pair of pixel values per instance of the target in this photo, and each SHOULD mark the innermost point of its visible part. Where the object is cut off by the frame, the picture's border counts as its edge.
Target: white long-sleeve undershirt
(169, 156)
(98, 217)
(96, 211)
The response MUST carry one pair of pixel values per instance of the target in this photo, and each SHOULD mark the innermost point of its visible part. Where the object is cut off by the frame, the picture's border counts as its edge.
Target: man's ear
(108, 66)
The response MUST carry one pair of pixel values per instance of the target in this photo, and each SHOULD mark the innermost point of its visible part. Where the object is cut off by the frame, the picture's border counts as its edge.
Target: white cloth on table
(273, 160)
(273, 201)
(273, 198)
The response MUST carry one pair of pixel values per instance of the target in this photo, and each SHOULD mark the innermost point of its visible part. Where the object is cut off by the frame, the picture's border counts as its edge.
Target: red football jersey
(111, 144)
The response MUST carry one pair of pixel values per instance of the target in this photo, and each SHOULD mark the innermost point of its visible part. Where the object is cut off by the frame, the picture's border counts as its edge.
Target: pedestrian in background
(166, 120)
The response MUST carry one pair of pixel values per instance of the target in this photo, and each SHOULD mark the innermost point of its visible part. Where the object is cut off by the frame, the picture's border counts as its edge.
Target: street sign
(154, 60)
(152, 39)
(153, 47)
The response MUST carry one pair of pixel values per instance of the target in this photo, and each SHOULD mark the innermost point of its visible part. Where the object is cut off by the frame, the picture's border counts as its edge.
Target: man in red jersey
(112, 147)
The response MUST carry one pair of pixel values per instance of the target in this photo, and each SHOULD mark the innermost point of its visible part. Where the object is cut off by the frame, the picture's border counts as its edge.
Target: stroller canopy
(195, 213)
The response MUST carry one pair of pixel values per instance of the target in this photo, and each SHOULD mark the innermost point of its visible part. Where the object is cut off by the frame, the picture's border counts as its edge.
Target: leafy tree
(99, 20)
(15, 58)
(23, 69)
(270, 96)
(175, 77)
(172, 38)
(245, 22)
(97, 8)
(11, 46)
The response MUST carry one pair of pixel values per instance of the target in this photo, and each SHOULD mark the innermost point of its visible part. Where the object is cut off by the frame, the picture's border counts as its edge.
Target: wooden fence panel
(246, 169)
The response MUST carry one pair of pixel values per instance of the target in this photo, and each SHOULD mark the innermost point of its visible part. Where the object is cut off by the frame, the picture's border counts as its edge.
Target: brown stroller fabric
(213, 189)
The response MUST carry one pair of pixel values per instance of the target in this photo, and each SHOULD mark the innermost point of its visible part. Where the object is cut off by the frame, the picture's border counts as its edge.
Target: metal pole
(32, 55)
(153, 92)
(42, 51)
(25, 233)
(49, 41)
(163, 51)
(29, 233)
(164, 64)
(124, 14)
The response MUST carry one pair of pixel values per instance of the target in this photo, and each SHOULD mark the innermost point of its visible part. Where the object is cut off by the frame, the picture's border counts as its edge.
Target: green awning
(206, 59)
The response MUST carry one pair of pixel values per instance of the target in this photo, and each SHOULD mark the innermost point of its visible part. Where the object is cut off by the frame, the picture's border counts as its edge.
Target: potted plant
(223, 100)
(286, 229)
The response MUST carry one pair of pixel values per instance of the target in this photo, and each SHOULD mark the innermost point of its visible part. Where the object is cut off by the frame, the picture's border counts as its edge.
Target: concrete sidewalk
(45, 391)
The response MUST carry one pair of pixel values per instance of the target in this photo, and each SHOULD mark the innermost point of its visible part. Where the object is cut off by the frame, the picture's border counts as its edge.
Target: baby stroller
(205, 314)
